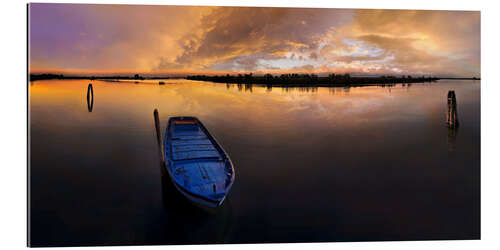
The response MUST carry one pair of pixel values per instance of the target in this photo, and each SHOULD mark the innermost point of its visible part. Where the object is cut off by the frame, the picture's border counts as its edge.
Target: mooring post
(90, 94)
(158, 135)
(89, 90)
(451, 114)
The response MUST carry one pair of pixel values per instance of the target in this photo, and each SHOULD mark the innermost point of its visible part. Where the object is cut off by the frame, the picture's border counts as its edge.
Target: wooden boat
(198, 166)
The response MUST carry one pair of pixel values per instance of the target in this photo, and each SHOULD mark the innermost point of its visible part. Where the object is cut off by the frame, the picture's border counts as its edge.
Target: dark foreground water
(316, 164)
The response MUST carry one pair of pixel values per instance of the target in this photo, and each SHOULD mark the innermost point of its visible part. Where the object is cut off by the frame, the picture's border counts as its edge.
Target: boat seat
(187, 155)
(190, 142)
(194, 151)
(192, 147)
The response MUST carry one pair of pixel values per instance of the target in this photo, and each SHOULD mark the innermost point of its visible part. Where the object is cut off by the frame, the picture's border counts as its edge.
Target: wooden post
(158, 136)
(90, 94)
(451, 114)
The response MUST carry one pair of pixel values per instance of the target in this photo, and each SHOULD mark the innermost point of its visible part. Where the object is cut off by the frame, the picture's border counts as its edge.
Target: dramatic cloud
(181, 39)
(422, 40)
(230, 34)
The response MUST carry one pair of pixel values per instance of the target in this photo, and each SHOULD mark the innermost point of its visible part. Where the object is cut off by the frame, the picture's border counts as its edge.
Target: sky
(127, 39)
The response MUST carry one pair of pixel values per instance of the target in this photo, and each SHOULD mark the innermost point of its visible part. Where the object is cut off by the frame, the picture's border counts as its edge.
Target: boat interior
(196, 162)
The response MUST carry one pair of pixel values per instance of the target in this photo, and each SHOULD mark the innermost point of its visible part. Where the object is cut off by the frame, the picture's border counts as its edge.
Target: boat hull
(194, 199)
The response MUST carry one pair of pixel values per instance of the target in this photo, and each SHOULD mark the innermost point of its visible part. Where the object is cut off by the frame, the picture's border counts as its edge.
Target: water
(312, 164)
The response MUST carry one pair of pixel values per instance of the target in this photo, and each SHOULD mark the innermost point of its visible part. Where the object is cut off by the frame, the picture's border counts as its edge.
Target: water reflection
(347, 89)
(249, 87)
(269, 88)
(452, 139)
(365, 151)
(452, 120)
(309, 89)
(192, 224)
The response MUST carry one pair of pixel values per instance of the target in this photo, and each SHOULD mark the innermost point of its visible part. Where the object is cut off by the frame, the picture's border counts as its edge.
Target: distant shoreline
(459, 78)
(292, 80)
(36, 77)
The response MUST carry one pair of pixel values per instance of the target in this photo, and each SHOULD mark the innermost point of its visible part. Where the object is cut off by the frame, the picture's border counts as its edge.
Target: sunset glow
(129, 39)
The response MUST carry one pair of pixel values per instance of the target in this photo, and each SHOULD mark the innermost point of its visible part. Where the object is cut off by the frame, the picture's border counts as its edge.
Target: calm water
(324, 164)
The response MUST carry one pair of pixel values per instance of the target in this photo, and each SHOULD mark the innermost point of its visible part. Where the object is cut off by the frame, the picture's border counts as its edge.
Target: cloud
(141, 38)
(230, 33)
(307, 68)
(109, 37)
(313, 56)
(422, 40)
(405, 56)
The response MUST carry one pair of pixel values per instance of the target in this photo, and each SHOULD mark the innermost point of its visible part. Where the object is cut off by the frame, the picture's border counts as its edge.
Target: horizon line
(179, 74)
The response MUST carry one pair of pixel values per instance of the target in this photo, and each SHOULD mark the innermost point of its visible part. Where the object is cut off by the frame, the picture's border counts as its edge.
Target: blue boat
(198, 166)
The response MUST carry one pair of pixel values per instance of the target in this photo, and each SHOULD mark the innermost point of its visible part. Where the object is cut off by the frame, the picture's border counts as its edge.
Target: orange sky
(122, 39)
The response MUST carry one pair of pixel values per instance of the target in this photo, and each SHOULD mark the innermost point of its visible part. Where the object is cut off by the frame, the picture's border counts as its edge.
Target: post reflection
(452, 139)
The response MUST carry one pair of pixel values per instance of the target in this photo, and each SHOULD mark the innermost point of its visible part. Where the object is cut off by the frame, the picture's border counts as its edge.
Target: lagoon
(312, 164)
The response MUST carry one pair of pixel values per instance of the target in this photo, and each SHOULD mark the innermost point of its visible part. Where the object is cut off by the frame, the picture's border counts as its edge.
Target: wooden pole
(158, 136)
(451, 114)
